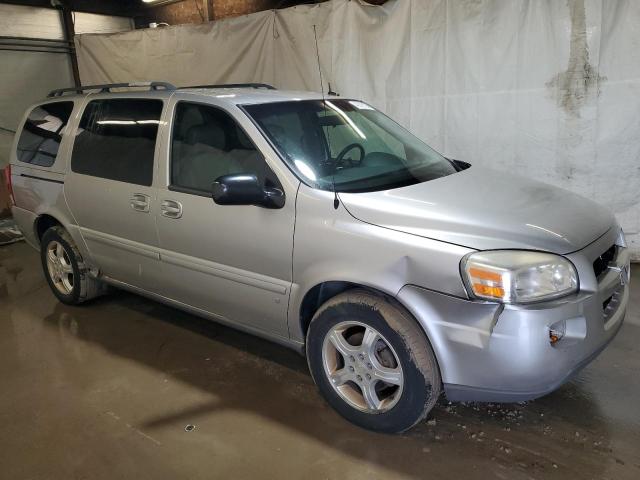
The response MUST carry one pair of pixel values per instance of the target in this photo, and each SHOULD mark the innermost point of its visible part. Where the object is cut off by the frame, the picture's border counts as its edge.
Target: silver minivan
(323, 225)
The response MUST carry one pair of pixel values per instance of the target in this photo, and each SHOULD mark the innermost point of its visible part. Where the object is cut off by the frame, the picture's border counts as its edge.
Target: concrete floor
(106, 390)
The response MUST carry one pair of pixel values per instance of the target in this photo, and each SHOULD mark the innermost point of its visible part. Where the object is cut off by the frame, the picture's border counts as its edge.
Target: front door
(108, 187)
(232, 261)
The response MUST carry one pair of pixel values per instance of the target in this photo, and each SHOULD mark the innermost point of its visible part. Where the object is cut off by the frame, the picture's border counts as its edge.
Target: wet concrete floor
(109, 390)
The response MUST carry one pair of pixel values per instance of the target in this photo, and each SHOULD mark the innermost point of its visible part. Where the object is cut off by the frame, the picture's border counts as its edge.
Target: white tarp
(548, 89)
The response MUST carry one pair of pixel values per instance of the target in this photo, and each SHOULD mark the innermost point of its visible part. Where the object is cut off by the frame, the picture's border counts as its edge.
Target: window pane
(207, 143)
(347, 145)
(116, 140)
(40, 138)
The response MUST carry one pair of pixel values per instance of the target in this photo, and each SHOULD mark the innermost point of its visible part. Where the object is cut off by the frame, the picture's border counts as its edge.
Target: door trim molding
(121, 243)
(224, 271)
(192, 263)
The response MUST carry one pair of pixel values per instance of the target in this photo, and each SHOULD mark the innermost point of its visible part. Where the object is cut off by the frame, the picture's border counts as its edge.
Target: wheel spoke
(370, 396)
(66, 268)
(369, 341)
(340, 377)
(59, 252)
(341, 344)
(67, 282)
(391, 376)
(51, 255)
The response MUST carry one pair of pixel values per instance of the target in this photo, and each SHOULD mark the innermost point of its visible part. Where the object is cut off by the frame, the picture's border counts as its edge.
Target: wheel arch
(43, 222)
(317, 295)
(50, 217)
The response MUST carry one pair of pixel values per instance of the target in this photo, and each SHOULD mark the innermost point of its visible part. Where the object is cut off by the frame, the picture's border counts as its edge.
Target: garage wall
(547, 89)
(26, 77)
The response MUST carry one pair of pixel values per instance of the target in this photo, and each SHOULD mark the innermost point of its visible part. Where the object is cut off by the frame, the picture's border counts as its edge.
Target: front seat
(204, 157)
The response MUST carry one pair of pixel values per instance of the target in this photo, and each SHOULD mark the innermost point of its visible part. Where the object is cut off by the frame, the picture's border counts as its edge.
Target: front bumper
(502, 353)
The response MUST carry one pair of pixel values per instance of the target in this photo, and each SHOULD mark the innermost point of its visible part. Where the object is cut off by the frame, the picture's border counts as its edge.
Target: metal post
(69, 32)
(206, 11)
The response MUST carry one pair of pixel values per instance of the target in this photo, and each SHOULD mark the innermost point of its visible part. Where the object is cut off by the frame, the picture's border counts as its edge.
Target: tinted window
(116, 140)
(206, 144)
(42, 132)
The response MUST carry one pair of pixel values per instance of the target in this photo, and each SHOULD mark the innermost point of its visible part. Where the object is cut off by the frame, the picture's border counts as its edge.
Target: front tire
(372, 362)
(65, 270)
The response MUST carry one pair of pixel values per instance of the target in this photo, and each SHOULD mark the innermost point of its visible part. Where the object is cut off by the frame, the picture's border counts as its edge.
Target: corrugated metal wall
(26, 77)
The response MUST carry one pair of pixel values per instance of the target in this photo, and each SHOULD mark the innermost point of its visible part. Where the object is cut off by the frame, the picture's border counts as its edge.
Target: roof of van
(252, 95)
(238, 94)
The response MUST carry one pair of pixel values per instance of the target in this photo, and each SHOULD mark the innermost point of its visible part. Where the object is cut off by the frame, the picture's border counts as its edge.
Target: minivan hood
(486, 209)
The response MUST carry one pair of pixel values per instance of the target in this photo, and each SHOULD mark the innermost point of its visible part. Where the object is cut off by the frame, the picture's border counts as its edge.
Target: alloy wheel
(59, 267)
(362, 367)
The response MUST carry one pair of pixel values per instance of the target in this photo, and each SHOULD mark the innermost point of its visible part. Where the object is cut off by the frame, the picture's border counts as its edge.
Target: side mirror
(244, 189)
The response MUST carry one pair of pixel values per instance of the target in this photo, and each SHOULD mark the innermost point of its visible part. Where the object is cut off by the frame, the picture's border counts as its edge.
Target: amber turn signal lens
(488, 290)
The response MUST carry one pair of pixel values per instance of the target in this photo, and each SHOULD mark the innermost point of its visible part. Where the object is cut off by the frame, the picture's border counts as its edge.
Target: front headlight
(517, 276)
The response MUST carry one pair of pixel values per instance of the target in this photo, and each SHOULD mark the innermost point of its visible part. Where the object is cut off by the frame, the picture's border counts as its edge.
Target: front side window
(347, 145)
(116, 140)
(42, 133)
(208, 143)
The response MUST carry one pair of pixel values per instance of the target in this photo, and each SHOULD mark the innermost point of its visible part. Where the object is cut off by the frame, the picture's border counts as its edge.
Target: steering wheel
(346, 150)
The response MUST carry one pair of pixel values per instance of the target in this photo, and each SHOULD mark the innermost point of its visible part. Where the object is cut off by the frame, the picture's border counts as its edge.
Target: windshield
(347, 144)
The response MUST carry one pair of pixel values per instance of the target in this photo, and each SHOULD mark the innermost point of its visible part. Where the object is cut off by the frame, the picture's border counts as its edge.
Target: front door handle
(171, 209)
(140, 202)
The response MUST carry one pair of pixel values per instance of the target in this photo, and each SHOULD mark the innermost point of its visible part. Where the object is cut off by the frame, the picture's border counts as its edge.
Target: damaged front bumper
(504, 353)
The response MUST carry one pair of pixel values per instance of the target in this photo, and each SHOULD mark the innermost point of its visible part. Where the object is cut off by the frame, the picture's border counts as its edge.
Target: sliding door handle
(171, 209)
(140, 202)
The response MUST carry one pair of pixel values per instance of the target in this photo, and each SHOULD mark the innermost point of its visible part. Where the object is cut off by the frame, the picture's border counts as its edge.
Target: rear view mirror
(244, 189)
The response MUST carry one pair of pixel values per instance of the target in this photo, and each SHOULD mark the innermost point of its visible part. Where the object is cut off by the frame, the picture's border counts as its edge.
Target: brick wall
(186, 11)
(232, 8)
(194, 11)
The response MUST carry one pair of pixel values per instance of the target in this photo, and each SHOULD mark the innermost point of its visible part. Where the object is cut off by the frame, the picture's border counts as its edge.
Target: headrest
(210, 134)
(243, 140)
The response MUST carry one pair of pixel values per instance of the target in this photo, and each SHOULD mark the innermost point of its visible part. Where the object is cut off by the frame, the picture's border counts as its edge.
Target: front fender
(332, 245)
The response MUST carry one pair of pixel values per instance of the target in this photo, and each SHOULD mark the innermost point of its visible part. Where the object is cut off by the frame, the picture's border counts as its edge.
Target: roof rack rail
(107, 87)
(234, 85)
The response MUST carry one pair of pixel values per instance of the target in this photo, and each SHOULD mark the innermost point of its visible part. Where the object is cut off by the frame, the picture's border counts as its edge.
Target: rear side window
(42, 133)
(116, 140)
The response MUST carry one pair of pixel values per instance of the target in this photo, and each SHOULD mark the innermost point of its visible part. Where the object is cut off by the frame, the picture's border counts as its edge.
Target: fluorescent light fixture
(159, 2)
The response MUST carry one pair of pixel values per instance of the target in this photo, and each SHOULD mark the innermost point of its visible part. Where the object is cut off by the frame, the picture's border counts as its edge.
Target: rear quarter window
(42, 133)
(116, 140)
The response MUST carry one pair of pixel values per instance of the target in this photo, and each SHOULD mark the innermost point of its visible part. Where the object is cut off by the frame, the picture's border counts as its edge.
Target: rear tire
(65, 270)
(384, 376)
